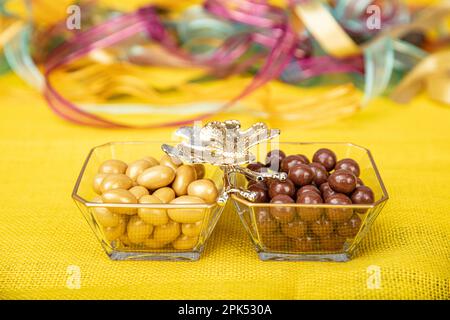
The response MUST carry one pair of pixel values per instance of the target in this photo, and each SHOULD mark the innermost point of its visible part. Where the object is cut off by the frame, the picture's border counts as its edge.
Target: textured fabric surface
(42, 233)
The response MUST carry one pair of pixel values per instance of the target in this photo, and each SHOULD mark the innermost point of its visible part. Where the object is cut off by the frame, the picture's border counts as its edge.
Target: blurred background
(154, 64)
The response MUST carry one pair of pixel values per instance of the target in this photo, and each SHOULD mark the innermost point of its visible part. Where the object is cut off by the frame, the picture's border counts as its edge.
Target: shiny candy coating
(301, 174)
(350, 228)
(170, 162)
(255, 166)
(183, 242)
(120, 196)
(294, 229)
(187, 215)
(320, 173)
(154, 216)
(104, 216)
(317, 165)
(260, 193)
(339, 214)
(359, 182)
(278, 187)
(269, 181)
(113, 166)
(348, 164)
(137, 167)
(291, 161)
(165, 194)
(145, 181)
(204, 189)
(275, 153)
(138, 230)
(310, 228)
(139, 191)
(308, 188)
(309, 214)
(116, 181)
(184, 175)
(362, 195)
(326, 190)
(325, 157)
(264, 221)
(304, 158)
(113, 233)
(152, 243)
(167, 232)
(98, 178)
(322, 227)
(280, 213)
(192, 229)
(342, 181)
(258, 184)
(152, 160)
(156, 177)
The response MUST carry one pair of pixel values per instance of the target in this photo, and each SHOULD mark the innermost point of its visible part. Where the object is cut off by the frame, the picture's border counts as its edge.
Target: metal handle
(225, 195)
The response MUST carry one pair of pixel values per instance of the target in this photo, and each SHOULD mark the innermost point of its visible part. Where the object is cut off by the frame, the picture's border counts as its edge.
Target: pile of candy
(323, 181)
(149, 181)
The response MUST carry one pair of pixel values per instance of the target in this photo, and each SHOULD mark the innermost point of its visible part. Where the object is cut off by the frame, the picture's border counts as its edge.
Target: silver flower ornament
(224, 144)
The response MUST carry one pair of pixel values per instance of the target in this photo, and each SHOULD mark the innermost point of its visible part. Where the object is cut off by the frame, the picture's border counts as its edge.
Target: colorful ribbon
(432, 74)
(146, 20)
(229, 38)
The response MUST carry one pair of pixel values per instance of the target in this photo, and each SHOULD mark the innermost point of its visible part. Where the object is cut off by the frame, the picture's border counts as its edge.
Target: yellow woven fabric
(42, 233)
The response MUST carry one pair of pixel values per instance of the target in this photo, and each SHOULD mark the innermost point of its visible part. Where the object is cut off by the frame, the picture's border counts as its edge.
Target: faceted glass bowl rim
(384, 197)
(88, 203)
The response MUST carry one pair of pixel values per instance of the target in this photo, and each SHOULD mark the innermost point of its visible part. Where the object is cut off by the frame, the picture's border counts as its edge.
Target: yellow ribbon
(438, 86)
(8, 29)
(338, 101)
(432, 74)
(325, 29)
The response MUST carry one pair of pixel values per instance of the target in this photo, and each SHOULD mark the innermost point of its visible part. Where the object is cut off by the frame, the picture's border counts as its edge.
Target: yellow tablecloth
(42, 233)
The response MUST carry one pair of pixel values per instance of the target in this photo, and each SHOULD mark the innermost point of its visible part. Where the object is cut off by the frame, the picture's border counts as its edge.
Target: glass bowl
(114, 239)
(334, 241)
